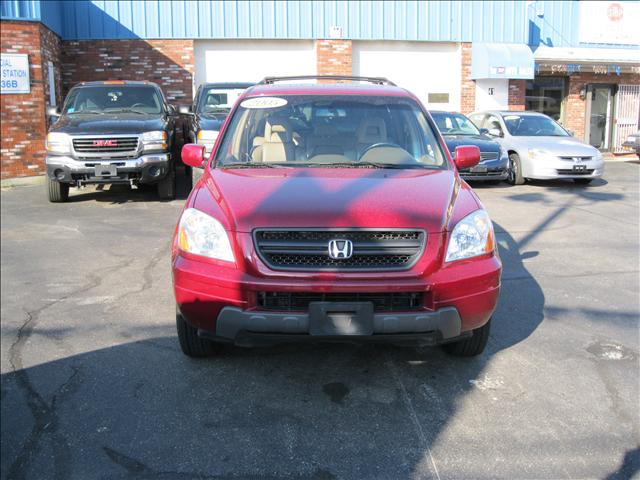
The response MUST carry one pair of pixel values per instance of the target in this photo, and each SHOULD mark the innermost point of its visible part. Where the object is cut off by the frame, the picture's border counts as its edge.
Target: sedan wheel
(515, 170)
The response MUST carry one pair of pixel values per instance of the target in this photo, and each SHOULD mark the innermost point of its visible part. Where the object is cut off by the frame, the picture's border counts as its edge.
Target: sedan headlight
(200, 234)
(207, 136)
(537, 153)
(472, 236)
(503, 153)
(58, 143)
(156, 140)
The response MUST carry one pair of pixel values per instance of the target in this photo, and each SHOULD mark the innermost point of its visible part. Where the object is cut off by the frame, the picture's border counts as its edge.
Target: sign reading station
(14, 73)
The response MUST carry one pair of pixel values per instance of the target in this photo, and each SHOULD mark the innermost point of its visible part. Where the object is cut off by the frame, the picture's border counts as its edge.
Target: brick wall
(51, 48)
(576, 108)
(169, 63)
(334, 57)
(468, 87)
(517, 90)
(22, 116)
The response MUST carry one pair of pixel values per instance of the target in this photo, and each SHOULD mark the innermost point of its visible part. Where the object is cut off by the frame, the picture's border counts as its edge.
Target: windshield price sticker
(264, 102)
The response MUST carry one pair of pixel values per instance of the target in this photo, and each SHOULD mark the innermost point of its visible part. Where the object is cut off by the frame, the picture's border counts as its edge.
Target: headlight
(58, 143)
(503, 153)
(207, 136)
(598, 155)
(203, 235)
(154, 140)
(536, 153)
(472, 236)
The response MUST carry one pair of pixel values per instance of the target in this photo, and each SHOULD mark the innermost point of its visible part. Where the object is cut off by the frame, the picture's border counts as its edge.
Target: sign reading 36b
(14, 73)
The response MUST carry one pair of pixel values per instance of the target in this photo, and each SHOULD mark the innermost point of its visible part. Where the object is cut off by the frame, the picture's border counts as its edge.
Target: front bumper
(221, 302)
(149, 168)
(633, 146)
(555, 168)
(490, 170)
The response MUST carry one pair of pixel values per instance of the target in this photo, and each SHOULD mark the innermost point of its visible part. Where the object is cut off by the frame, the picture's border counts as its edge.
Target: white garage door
(250, 60)
(430, 70)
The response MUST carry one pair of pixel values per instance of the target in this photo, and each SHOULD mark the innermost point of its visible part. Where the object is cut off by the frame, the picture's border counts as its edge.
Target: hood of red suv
(328, 197)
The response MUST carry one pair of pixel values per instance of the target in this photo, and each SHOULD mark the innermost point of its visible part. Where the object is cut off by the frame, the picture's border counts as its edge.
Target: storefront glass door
(600, 116)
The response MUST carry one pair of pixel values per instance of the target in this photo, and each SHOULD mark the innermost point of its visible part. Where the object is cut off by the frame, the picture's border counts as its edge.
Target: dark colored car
(633, 142)
(333, 212)
(112, 132)
(459, 130)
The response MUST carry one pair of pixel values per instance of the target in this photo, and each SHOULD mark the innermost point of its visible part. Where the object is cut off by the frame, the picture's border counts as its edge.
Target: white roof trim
(579, 54)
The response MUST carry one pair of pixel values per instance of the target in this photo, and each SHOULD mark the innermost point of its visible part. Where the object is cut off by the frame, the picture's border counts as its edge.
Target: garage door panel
(250, 61)
(420, 67)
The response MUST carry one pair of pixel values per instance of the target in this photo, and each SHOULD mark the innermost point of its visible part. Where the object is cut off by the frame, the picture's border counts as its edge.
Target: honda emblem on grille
(105, 143)
(340, 249)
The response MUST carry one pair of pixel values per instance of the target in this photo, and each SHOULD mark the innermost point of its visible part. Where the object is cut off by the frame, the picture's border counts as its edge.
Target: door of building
(627, 115)
(600, 115)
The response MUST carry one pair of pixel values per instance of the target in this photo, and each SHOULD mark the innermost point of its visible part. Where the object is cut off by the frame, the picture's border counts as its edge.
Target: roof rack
(374, 80)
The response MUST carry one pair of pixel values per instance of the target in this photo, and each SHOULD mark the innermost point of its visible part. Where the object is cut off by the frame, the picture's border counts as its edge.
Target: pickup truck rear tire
(167, 186)
(191, 344)
(471, 346)
(57, 191)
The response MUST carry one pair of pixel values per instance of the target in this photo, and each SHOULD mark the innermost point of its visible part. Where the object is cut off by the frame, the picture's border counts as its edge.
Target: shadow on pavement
(143, 410)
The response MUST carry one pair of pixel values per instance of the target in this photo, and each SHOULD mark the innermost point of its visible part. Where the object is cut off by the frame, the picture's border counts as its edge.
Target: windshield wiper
(249, 165)
(127, 110)
(396, 166)
(89, 112)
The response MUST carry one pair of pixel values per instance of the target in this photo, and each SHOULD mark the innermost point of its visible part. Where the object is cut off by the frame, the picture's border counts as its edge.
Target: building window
(545, 95)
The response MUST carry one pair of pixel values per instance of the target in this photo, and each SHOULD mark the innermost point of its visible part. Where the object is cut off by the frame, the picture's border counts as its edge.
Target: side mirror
(171, 110)
(467, 156)
(483, 131)
(53, 111)
(495, 132)
(193, 155)
(185, 109)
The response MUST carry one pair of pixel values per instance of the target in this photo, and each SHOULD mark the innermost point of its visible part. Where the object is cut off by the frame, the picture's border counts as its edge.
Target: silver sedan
(540, 148)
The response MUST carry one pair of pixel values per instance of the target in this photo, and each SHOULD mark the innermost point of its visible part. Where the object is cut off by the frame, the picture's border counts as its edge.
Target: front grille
(299, 301)
(573, 159)
(570, 171)
(488, 156)
(105, 145)
(309, 249)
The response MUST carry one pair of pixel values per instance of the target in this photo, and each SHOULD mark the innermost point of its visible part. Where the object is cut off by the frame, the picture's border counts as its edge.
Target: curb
(22, 181)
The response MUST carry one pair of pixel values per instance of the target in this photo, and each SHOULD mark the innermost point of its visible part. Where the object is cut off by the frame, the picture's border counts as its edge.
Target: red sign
(615, 12)
(105, 143)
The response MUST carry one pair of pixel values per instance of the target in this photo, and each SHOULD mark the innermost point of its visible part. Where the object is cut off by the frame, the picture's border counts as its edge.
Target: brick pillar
(517, 90)
(334, 57)
(22, 116)
(468, 87)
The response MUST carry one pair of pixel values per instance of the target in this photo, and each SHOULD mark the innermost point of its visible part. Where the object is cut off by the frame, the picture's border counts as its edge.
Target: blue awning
(502, 60)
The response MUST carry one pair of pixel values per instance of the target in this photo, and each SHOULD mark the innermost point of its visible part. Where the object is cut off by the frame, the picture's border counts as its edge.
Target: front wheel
(583, 181)
(167, 186)
(57, 191)
(515, 170)
(471, 346)
(190, 343)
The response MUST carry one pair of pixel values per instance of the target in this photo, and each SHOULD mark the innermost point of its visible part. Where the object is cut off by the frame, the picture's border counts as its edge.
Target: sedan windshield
(533, 126)
(331, 131)
(454, 124)
(113, 99)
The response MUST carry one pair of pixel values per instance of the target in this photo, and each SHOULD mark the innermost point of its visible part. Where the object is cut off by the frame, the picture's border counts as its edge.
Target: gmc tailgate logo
(105, 143)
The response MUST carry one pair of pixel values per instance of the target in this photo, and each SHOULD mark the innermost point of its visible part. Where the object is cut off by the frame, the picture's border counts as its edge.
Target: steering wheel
(377, 145)
(138, 105)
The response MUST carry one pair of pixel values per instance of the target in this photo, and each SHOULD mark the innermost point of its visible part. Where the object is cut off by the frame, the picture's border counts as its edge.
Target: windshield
(533, 126)
(454, 124)
(218, 100)
(112, 99)
(339, 131)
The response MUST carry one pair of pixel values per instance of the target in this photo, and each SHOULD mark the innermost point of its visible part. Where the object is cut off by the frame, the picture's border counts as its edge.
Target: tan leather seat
(278, 143)
(325, 140)
(371, 131)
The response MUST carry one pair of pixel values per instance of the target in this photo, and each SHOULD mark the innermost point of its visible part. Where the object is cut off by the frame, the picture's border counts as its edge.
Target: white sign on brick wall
(14, 73)
(610, 22)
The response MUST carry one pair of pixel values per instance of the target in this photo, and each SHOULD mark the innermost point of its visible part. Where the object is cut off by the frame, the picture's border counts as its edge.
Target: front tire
(471, 346)
(167, 186)
(515, 170)
(58, 192)
(582, 181)
(191, 344)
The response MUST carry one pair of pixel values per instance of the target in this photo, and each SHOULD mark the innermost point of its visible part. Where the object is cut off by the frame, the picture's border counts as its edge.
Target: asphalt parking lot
(94, 384)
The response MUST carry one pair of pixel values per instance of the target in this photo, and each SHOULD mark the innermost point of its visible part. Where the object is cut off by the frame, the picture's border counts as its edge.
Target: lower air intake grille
(382, 302)
(309, 249)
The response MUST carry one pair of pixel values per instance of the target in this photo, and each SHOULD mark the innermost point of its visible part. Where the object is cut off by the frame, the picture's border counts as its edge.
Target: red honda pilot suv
(332, 211)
